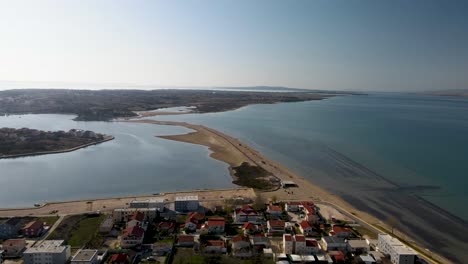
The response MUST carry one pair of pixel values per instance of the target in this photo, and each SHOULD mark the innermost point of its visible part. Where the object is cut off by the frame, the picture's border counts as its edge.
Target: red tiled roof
(248, 225)
(304, 224)
(186, 238)
(216, 243)
(275, 208)
(166, 225)
(341, 229)
(240, 238)
(338, 255)
(299, 238)
(216, 221)
(276, 223)
(14, 242)
(246, 209)
(134, 231)
(122, 257)
(287, 237)
(137, 215)
(293, 203)
(311, 243)
(195, 216)
(33, 225)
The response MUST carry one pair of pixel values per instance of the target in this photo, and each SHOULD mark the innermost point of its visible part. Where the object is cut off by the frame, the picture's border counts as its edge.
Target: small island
(29, 142)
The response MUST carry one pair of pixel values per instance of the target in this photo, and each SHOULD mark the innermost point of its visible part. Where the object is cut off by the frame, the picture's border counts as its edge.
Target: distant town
(202, 227)
(25, 141)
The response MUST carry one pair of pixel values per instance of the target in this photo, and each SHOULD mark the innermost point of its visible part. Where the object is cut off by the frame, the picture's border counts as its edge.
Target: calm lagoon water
(135, 162)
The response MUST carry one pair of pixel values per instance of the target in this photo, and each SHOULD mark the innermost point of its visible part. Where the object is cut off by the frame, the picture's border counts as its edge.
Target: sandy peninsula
(230, 150)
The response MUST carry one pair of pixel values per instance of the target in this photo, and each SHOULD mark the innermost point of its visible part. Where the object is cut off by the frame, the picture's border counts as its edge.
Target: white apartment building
(398, 252)
(47, 252)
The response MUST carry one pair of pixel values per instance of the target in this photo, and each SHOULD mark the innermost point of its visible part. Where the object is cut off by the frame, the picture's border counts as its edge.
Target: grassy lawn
(49, 220)
(80, 230)
(86, 232)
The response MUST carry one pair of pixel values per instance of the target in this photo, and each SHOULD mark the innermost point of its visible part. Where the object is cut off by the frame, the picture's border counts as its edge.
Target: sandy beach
(234, 152)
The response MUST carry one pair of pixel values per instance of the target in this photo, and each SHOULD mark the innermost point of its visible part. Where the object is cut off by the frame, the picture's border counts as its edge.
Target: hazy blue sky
(370, 45)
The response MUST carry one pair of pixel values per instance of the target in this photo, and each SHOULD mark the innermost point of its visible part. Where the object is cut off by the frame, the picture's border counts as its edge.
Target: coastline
(107, 138)
(234, 152)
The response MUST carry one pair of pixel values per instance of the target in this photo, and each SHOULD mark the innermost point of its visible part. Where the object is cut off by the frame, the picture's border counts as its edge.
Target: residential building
(260, 241)
(246, 214)
(193, 221)
(398, 252)
(132, 236)
(33, 229)
(299, 245)
(120, 258)
(85, 256)
(249, 228)
(215, 247)
(122, 214)
(158, 203)
(293, 206)
(186, 203)
(186, 241)
(241, 246)
(276, 226)
(337, 256)
(10, 227)
(13, 247)
(136, 219)
(215, 225)
(47, 252)
(166, 226)
(367, 259)
(274, 210)
(312, 247)
(306, 228)
(288, 244)
(358, 246)
(341, 231)
(331, 243)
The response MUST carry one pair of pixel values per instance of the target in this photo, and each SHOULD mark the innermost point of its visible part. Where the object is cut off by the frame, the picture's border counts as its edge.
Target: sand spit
(372, 210)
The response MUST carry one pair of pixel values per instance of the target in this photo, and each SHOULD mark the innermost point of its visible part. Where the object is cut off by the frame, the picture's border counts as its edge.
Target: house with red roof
(241, 246)
(33, 229)
(136, 219)
(120, 258)
(288, 244)
(214, 225)
(312, 246)
(186, 241)
(250, 228)
(166, 226)
(306, 228)
(337, 256)
(215, 247)
(299, 244)
(193, 221)
(132, 236)
(276, 226)
(246, 214)
(274, 210)
(341, 231)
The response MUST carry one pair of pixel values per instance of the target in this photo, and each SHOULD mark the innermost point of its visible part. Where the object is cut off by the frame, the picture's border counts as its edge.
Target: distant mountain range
(453, 92)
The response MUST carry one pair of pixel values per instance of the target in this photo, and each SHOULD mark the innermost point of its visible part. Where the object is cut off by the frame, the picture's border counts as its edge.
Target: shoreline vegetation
(24, 142)
(107, 105)
(231, 151)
